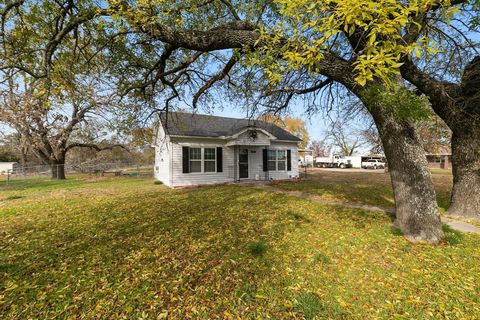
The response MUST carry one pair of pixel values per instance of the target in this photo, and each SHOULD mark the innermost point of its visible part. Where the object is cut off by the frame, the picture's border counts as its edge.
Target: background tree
(295, 126)
(320, 148)
(52, 75)
(344, 139)
(47, 124)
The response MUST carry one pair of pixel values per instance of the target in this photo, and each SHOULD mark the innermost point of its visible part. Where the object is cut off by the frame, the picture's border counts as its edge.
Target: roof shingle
(200, 125)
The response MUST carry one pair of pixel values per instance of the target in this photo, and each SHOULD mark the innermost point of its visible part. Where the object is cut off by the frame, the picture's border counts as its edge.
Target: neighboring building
(193, 149)
(8, 167)
(305, 158)
(440, 161)
(441, 158)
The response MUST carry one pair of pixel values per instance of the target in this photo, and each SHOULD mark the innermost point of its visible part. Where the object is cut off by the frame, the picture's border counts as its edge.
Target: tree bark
(459, 106)
(417, 212)
(58, 170)
(465, 200)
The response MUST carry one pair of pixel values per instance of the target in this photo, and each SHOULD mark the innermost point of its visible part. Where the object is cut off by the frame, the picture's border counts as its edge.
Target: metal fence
(42, 172)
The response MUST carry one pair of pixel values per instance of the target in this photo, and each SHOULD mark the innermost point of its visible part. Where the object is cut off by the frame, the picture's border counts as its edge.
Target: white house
(194, 149)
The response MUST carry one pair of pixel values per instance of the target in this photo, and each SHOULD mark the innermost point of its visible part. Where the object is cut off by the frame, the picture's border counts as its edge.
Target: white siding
(281, 175)
(255, 162)
(163, 149)
(245, 140)
(189, 179)
(169, 161)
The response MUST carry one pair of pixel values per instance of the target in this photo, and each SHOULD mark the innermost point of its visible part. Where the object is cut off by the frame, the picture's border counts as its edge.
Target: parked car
(373, 164)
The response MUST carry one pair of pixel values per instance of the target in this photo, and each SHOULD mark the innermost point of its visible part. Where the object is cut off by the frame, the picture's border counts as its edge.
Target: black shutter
(186, 159)
(219, 159)
(289, 160)
(265, 160)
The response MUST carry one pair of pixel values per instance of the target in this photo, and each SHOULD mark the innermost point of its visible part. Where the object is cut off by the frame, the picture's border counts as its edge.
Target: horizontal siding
(245, 139)
(162, 157)
(189, 179)
(171, 168)
(281, 175)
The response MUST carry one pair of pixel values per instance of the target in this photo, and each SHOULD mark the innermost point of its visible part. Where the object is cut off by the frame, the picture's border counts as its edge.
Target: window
(277, 160)
(272, 160)
(202, 160)
(281, 160)
(195, 159)
(209, 160)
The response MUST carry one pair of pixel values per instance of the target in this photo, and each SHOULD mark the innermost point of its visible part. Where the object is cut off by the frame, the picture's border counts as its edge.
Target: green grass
(127, 248)
(362, 188)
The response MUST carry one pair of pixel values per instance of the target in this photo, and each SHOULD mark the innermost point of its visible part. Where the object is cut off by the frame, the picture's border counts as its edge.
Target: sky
(316, 125)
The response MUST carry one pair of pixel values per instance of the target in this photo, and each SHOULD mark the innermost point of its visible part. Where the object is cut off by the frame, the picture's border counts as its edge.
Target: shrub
(320, 257)
(309, 304)
(158, 182)
(297, 216)
(452, 237)
(396, 231)
(257, 248)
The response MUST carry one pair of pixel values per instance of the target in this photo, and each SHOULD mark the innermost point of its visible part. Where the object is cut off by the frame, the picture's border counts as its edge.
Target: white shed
(6, 167)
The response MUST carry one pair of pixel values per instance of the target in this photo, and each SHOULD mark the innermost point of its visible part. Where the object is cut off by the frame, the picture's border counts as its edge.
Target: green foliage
(452, 237)
(157, 182)
(317, 24)
(404, 103)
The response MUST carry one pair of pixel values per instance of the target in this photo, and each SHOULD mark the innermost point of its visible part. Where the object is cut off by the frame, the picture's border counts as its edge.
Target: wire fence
(19, 174)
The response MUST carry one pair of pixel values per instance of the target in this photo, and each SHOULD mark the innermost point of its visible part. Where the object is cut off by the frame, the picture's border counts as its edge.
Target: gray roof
(200, 125)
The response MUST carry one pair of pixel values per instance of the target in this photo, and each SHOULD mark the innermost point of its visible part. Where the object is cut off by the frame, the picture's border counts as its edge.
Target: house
(8, 167)
(441, 158)
(194, 149)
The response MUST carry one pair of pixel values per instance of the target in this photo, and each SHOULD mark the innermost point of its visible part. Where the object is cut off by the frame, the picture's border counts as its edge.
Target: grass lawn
(365, 187)
(127, 248)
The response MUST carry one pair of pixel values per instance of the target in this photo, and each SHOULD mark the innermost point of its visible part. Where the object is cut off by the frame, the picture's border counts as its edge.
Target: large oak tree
(358, 44)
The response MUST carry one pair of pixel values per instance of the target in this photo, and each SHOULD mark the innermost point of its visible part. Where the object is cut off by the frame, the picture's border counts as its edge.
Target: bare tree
(320, 148)
(372, 139)
(343, 137)
(46, 122)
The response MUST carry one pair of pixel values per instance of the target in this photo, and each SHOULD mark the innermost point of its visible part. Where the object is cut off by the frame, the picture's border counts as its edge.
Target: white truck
(333, 161)
(373, 164)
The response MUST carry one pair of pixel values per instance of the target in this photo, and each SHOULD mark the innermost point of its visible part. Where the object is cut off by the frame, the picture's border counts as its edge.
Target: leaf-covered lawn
(126, 248)
(367, 187)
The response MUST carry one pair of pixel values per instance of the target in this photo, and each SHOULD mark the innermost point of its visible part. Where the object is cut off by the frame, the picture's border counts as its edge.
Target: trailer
(333, 161)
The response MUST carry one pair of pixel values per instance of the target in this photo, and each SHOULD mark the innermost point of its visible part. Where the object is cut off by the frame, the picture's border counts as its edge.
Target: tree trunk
(417, 212)
(58, 170)
(465, 199)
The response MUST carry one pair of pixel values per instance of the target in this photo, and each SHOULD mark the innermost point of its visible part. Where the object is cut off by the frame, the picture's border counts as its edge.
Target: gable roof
(200, 125)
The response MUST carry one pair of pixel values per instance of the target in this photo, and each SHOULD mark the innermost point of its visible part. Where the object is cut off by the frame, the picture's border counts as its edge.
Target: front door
(243, 163)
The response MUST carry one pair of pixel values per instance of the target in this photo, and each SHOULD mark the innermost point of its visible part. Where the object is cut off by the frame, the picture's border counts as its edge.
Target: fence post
(8, 177)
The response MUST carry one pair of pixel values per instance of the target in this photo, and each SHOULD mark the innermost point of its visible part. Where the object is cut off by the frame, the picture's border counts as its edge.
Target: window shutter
(289, 160)
(265, 160)
(186, 159)
(219, 159)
